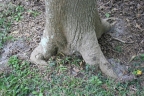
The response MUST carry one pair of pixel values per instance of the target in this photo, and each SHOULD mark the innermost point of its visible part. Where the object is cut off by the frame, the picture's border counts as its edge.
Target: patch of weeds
(90, 85)
(123, 89)
(62, 68)
(4, 30)
(57, 80)
(63, 61)
(137, 62)
(33, 13)
(137, 72)
(8, 14)
(77, 61)
(18, 16)
(90, 69)
(71, 86)
(95, 80)
(142, 57)
(22, 81)
(118, 49)
(18, 13)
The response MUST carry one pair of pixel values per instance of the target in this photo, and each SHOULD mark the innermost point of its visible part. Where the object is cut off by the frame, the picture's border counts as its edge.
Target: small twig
(134, 89)
(111, 18)
(62, 54)
(123, 41)
(132, 58)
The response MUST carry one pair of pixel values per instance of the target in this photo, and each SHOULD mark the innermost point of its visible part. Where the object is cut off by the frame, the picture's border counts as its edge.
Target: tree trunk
(74, 26)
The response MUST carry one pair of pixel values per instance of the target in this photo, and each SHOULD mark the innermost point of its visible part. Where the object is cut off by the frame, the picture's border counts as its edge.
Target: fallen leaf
(27, 34)
(74, 73)
(114, 9)
(138, 26)
(132, 58)
(138, 15)
(15, 32)
(139, 72)
(76, 69)
(102, 7)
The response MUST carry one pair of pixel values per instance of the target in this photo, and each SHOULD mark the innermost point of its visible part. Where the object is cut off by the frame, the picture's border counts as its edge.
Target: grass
(62, 79)
(19, 82)
(137, 63)
(34, 13)
(9, 14)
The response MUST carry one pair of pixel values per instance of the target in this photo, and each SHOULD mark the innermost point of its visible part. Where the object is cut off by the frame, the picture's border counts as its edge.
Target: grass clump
(9, 13)
(21, 81)
(71, 79)
(33, 13)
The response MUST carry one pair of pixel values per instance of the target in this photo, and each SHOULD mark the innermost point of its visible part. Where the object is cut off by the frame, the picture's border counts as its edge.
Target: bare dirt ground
(128, 42)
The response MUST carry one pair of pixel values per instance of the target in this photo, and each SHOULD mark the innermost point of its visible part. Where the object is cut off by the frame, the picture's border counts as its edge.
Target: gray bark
(74, 26)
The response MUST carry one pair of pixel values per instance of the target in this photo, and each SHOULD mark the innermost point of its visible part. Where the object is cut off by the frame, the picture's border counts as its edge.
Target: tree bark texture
(74, 26)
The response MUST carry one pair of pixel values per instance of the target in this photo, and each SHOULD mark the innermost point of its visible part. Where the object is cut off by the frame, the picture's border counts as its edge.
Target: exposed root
(37, 57)
(118, 72)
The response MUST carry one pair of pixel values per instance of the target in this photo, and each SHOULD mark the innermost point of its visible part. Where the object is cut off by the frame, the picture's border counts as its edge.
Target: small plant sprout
(33, 13)
(95, 80)
(142, 57)
(137, 72)
(107, 15)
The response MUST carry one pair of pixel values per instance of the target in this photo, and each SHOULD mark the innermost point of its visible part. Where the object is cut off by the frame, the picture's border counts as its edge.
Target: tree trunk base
(90, 50)
(74, 26)
(37, 57)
